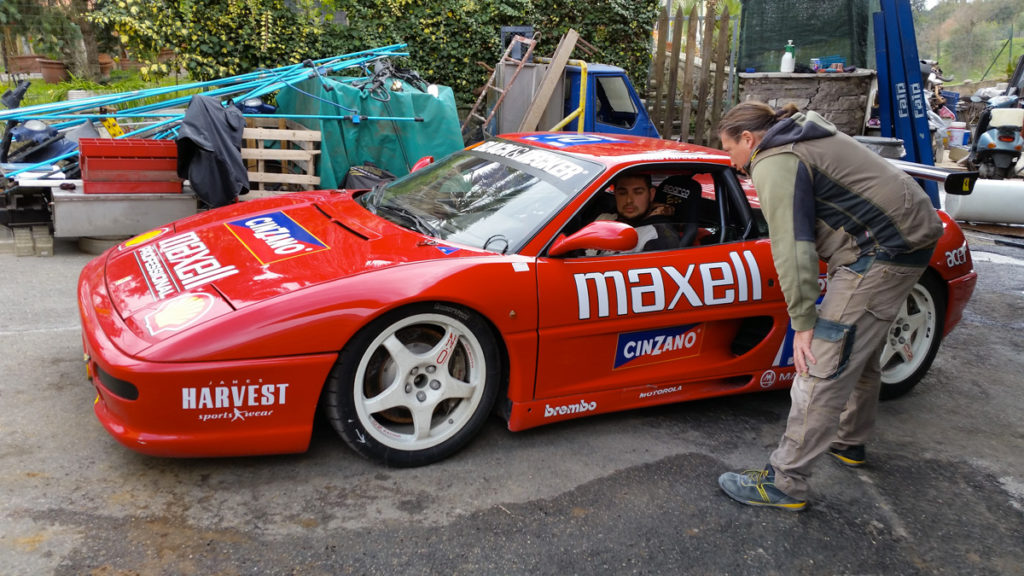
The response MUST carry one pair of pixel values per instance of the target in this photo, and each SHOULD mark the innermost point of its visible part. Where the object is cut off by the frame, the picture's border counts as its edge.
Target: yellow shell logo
(143, 238)
(178, 312)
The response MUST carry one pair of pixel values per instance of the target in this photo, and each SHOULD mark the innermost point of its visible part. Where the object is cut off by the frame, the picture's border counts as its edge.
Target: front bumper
(190, 409)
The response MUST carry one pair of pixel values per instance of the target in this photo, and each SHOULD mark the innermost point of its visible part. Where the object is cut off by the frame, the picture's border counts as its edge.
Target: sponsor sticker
(178, 313)
(143, 238)
(657, 346)
(567, 140)
(178, 264)
(274, 237)
(643, 290)
(234, 400)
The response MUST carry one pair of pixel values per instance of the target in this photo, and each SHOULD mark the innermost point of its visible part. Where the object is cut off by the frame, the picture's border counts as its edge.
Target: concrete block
(24, 245)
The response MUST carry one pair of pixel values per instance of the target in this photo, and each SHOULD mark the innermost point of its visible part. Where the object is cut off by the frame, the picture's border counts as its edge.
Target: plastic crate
(136, 187)
(129, 166)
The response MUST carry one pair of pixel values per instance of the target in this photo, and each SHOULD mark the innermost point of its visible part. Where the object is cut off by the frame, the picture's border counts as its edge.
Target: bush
(446, 39)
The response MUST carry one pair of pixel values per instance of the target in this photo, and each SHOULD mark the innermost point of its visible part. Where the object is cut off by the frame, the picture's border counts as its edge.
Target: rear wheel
(913, 338)
(416, 385)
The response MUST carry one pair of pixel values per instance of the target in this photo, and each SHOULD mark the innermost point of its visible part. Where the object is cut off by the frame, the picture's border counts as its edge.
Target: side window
(614, 105)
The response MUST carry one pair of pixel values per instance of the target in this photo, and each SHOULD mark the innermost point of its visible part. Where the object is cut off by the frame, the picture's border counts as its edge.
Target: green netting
(392, 145)
(818, 28)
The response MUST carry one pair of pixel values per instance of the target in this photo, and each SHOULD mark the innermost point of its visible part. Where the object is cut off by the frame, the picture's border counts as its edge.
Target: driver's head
(633, 195)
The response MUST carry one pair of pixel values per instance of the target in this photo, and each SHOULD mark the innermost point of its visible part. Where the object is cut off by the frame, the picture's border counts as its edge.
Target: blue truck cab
(612, 103)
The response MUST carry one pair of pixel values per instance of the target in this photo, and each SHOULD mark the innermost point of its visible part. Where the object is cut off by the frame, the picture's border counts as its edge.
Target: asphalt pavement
(629, 493)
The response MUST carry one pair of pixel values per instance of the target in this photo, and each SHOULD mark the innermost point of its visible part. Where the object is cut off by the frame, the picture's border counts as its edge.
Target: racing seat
(683, 194)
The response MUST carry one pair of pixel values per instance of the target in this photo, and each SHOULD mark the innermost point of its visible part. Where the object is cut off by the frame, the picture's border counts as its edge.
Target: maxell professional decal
(274, 237)
(178, 264)
(553, 164)
(656, 346)
(645, 290)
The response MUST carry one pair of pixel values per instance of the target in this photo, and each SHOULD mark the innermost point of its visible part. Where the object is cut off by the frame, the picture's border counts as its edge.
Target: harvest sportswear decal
(178, 264)
(643, 290)
(274, 237)
(235, 400)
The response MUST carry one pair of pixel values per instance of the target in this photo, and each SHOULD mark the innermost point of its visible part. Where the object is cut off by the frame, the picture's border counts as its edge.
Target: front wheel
(913, 338)
(415, 385)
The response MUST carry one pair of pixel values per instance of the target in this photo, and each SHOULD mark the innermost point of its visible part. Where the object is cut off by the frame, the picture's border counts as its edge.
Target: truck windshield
(481, 200)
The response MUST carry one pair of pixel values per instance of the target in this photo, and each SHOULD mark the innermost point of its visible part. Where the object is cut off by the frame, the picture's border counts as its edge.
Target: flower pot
(54, 71)
(25, 63)
(106, 65)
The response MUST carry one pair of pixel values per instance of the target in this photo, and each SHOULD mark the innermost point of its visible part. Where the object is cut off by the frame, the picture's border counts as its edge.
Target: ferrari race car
(485, 282)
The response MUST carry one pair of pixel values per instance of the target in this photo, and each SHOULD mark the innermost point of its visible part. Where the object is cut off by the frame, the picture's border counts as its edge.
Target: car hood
(240, 255)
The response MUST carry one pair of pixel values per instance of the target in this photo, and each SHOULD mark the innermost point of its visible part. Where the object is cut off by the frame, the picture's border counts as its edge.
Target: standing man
(827, 197)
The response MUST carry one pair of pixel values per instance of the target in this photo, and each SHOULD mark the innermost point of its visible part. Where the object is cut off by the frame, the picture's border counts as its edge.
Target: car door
(654, 318)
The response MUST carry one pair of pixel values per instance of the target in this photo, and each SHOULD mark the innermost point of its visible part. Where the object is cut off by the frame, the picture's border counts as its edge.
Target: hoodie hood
(799, 127)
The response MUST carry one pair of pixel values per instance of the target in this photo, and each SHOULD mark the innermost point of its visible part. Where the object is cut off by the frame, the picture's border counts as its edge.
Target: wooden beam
(547, 86)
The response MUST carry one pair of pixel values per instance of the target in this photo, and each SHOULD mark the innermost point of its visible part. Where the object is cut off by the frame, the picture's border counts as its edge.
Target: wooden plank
(700, 118)
(274, 134)
(547, 86)
(659, 66)
(277, 154)
(283, 178)
(673, 75)
(721, 74)
(691, 52)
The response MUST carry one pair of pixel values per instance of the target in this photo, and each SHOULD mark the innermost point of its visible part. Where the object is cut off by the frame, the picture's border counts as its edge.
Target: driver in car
(634, 205)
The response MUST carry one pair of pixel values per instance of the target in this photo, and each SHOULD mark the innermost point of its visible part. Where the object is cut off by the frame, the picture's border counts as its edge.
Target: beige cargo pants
(838, 399)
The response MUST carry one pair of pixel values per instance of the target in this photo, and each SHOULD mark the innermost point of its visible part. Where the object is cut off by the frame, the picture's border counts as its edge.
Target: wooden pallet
(280, 155)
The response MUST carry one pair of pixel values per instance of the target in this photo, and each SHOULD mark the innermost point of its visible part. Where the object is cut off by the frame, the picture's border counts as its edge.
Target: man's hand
(659, 209)
(802, 351)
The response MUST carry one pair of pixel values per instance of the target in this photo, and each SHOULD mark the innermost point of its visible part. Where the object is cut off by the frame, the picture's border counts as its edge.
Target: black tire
(394, 399)
(914, 337)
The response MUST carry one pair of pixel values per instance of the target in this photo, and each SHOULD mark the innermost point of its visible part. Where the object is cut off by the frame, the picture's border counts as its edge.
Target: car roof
(617, 149)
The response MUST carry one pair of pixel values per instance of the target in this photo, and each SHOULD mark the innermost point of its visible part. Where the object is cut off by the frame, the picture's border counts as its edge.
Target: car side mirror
(422, 163)
(600, 235)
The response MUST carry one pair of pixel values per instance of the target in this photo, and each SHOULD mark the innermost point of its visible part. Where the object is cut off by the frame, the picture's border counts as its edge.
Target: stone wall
(841, 98)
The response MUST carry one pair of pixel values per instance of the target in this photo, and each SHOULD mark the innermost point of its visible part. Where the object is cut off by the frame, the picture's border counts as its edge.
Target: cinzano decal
(657, 346)
(274, 237)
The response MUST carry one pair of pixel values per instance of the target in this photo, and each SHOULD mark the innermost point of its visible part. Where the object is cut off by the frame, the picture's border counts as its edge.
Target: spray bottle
(788, 60)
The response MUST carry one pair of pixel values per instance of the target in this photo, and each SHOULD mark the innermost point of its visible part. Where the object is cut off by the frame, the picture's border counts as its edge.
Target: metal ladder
(492, 87)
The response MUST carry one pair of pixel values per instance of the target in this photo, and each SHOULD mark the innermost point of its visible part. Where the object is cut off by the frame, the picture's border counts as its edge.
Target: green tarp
(392, 145)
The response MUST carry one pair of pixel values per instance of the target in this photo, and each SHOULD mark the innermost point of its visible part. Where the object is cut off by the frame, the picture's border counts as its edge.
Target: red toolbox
(129, 166)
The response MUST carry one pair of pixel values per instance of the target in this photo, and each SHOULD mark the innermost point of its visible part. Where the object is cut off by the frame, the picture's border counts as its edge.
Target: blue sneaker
(757, 488)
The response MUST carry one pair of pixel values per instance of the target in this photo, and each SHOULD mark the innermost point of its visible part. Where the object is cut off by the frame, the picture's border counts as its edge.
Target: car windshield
(494, 197)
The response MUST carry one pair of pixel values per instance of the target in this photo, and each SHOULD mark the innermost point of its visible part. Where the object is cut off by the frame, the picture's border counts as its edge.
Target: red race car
(487, 281)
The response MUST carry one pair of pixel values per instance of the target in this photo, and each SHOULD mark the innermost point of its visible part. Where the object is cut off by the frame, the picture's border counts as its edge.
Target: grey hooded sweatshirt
(825, 196)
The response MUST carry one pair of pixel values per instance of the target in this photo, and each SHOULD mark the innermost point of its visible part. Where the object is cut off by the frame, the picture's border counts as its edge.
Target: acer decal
(644, 290)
